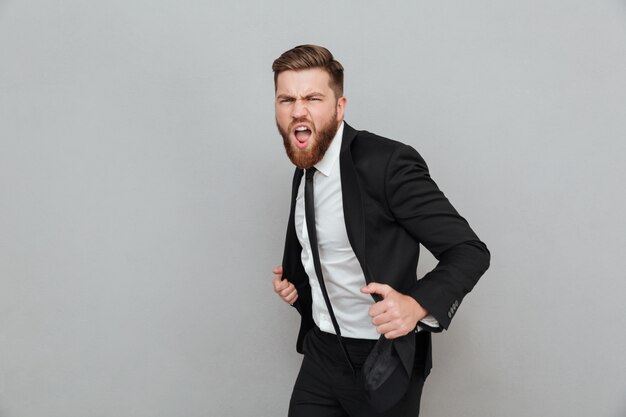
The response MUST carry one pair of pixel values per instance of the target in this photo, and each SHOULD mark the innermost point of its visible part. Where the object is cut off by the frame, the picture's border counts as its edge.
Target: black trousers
(327, 387)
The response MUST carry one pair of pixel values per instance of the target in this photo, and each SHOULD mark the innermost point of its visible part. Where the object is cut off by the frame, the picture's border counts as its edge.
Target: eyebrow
(310, 95)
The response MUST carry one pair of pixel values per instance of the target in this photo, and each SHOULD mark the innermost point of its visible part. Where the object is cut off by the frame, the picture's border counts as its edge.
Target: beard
(306, 158)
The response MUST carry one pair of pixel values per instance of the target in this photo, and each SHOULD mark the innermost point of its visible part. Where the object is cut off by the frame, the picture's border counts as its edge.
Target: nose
(299, 109)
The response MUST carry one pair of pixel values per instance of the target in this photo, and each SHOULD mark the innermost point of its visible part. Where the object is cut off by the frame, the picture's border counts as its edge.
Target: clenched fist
(285, 289)
(397, 314)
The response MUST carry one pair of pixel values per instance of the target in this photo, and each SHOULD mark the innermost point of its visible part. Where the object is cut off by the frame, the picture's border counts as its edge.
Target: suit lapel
(297, 177)
(292, 265)
(353, 210)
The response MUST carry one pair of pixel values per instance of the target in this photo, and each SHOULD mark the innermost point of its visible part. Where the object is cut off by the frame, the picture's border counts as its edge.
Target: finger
(378, 308)
(386, 327)
(376, 288)
(381, 319)
(292, 297)
(285, 292)
(394, 334)
(280, 285)
(393, 329)
(278, 270)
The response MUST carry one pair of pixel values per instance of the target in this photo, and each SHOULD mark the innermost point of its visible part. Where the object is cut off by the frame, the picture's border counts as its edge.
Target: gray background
(144, 193)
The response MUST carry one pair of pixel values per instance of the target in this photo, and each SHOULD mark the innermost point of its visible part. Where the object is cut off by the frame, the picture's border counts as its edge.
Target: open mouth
(302, 134)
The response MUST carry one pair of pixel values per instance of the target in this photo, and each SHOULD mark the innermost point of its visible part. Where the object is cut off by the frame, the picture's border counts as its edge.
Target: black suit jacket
(391, 205)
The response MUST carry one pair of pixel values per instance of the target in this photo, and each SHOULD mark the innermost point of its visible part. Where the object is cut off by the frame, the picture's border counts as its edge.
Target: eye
(315, 99)
(285, 100)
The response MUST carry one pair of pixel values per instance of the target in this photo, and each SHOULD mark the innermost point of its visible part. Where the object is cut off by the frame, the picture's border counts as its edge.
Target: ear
(341, 107)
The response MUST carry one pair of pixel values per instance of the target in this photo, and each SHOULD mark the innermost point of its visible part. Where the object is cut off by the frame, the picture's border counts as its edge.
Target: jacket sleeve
(426, 214)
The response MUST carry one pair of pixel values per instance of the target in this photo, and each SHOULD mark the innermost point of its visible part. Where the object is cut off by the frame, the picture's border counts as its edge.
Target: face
(307, 114)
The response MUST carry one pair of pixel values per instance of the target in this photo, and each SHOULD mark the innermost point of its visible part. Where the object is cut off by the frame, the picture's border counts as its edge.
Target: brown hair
(311, 56)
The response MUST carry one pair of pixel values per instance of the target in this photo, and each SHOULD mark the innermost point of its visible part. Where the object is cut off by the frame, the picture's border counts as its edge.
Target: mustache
(301, 120)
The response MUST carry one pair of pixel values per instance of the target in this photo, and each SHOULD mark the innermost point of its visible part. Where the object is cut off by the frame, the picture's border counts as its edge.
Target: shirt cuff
(429, 324)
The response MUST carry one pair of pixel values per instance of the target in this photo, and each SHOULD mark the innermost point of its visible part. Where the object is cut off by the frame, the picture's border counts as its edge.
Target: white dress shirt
(342, 272)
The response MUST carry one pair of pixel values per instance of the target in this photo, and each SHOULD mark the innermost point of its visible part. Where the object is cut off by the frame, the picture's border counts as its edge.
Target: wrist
(417, 311)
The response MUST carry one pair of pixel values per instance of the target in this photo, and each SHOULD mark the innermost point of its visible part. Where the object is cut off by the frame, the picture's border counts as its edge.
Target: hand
(397, 314)
(285, 289)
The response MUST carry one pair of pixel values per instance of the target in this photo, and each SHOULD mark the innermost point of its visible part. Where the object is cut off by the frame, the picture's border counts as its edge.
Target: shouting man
(361, 206)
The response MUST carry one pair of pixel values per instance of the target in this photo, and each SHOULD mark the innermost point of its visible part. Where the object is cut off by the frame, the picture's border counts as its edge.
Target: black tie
(309, 212)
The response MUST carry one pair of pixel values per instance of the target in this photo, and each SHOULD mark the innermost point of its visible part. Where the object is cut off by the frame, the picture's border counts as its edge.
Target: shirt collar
(325, 166)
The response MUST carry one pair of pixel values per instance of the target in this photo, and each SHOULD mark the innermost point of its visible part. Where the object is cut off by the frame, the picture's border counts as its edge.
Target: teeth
(301, 129)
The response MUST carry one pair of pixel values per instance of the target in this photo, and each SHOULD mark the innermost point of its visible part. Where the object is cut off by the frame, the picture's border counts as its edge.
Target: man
(353, 234)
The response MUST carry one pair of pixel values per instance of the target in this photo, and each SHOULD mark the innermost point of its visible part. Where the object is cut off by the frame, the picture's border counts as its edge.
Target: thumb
(278, 270)
(376, 288)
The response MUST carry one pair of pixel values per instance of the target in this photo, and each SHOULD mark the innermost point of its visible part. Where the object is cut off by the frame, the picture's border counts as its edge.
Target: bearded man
(352, 247)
